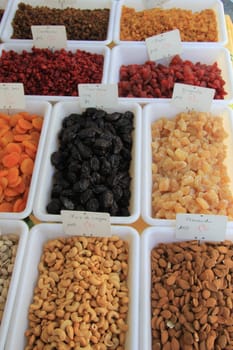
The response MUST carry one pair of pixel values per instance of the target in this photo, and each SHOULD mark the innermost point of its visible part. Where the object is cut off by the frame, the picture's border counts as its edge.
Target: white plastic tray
(60, 110)
(153, 112)
(137, 54)
(150, 238)
(20, 229)
(193, 5)
(134, 54)
(42, 108)
(95, 49)
(78, 4)
(40, 234)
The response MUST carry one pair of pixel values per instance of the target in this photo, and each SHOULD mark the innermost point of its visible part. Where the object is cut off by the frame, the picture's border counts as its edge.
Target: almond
(183, 283)
(175, 345)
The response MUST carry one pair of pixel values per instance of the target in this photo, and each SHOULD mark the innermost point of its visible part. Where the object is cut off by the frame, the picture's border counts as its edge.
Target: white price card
(98, 95)
(12, 96)
(164, 45)
(84, 223)
(3, 4)
(201, 227)
(51, 37)
(155, 3)
(192, 97)
(60, 4)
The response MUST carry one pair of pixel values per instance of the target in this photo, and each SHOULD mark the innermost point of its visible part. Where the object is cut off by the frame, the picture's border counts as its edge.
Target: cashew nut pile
(81, 297)
(8, 249)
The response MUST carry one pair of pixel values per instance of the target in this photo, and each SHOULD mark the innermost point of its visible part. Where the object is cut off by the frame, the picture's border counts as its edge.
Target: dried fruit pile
(44, 72)
(192, 296)
(81, 296)
(8, 250)
(193, 26)
(188, 166)
(155, 80)
(80, 24)
(92, 163)
(19, 139)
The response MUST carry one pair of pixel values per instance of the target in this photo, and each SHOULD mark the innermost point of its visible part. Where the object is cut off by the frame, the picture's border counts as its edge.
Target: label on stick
(98, 95)
(50, 37)
(83, 223)
(201, 227)
(192, 97)
(12, 96)
(164, 45)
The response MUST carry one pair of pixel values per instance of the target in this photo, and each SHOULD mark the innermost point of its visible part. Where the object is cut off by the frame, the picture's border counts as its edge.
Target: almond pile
(192, 296)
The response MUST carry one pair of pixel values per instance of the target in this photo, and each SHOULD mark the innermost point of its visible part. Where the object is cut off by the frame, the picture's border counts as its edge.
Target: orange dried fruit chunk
(37, 123)
(27, 166)
(13, 175)
(19, 205)
(10, 160)
(6, 207)
(30, 145)
(24, 124)
(13, 147)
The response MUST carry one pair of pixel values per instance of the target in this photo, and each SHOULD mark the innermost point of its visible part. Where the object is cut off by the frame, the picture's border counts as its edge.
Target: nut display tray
(20, 229)
(155, 111)
(42, 108)
(193, 5)
(92, 49)
(7, 30)
(39, 234)
(62, 109)
(151, 237)
(138, 54)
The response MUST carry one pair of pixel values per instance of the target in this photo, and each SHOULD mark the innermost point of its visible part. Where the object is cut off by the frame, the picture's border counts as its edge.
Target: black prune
(54, 206)
(117, 192)
(58, 159)
(107, 199)
(85, 196)
(71, 177)
(113, 116)
(92, 204)
(117, 145)
(84, 151)
(102, 144)
(94, 163)
(95, 178)
(81, 185)
(67, 203)
(105, 168)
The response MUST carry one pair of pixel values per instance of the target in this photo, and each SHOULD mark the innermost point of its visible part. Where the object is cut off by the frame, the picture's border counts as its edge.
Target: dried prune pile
(92, 163)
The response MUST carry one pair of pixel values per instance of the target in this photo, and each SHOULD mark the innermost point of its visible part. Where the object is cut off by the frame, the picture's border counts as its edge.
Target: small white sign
(192, 97)
(12, 96)
(60, 4)
(164, 45)
(201, 227)
(83, 223)
(51, 37)
(155, 3)
(98, 95)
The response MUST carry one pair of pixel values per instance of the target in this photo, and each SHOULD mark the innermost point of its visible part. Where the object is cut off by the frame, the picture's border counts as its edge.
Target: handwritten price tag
(98, 95)
(51, 37)
(201, 227)
(83, 223)
(12, 96)
(164, 45)
(59, 3)
(192, 97)
(154, 3)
